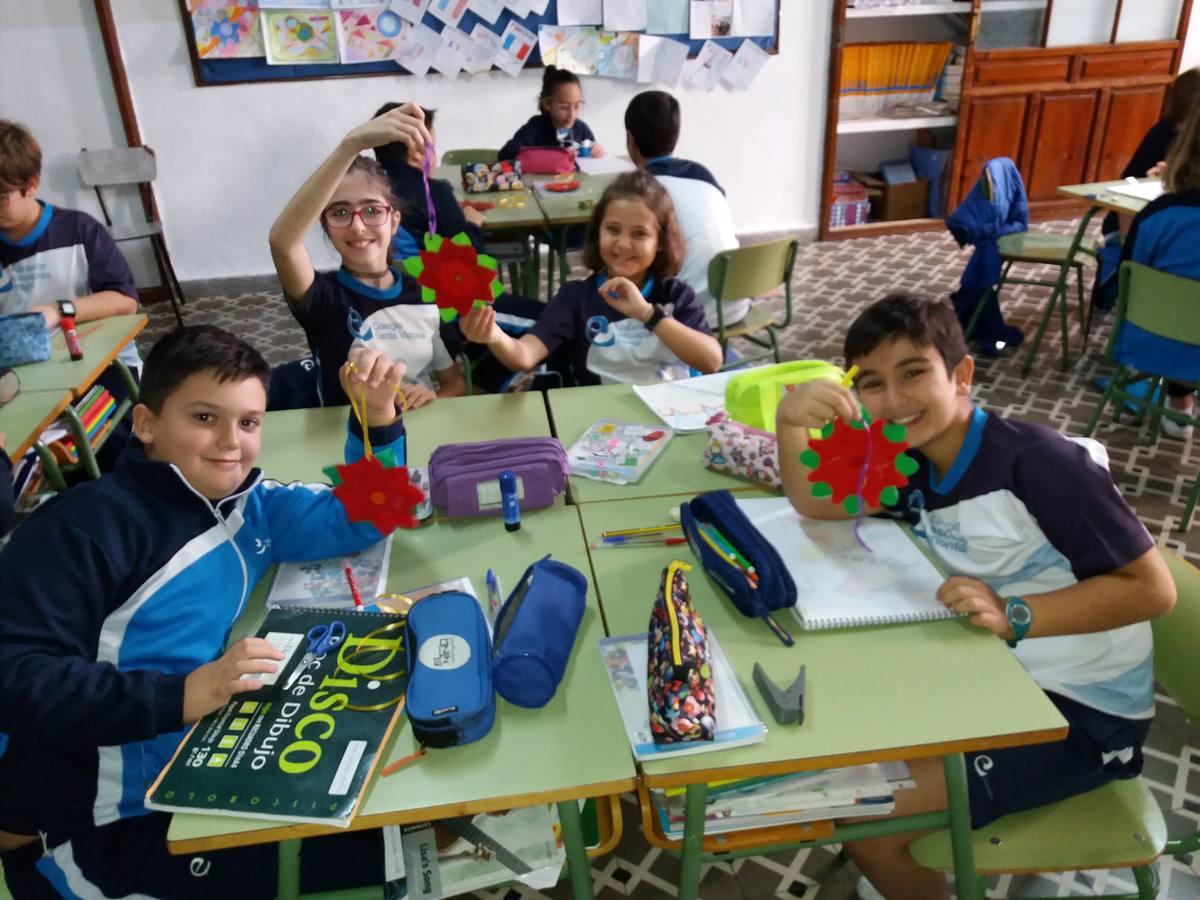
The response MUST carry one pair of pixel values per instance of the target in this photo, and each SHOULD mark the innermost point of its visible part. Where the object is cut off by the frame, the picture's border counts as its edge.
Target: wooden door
(1131, 111)
(993, 127)
(1058, 146)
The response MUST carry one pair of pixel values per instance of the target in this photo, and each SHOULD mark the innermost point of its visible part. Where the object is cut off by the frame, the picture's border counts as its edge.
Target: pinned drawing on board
(226, 30)
(857, 465)
(299, 37)
(370, 35)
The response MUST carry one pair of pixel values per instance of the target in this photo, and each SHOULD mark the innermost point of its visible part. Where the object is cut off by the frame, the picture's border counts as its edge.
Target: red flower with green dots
(372, 492)
(837, 458)
(452, 275)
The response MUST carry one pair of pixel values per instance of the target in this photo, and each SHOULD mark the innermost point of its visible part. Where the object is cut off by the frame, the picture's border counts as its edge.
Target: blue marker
(509, 501)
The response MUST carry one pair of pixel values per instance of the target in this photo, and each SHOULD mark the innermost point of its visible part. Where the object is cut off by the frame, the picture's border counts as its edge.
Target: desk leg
(577, 859)
(693, 841)
(50, 467)
(966, 883)
(289, 870)
(86, 457)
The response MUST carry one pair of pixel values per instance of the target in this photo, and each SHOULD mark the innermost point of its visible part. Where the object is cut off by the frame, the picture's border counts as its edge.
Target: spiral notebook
(838, 583)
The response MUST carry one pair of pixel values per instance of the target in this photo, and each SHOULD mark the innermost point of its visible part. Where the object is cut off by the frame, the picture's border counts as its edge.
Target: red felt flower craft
(453, 275)
(838, 457)
(371, 492)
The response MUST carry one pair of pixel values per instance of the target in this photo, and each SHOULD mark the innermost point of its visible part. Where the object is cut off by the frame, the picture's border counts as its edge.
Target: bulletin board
(209, 68)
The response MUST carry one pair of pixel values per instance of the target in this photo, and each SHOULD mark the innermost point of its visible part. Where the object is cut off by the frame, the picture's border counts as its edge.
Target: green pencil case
(753, 396)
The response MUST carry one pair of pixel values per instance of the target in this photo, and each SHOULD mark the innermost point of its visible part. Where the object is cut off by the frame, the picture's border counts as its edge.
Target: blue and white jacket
(114, 593)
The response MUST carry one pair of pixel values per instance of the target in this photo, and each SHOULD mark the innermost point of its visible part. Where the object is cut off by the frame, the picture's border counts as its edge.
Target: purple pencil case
(463, 478)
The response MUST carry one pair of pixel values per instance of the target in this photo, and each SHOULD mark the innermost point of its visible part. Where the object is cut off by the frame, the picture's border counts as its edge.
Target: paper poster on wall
(754, 18)
(580, 52)
(485, 44)
(550, 38)
(417, 46)
(660, 60)
(293, 4)
(745, 65)
(449, 11)
(516, 43)
(706, 69)
(451, 56)
(226, 30)
(625, 15)
(580, 12)
(488, 10)
(298, 37)
(353, 4)
(413, 10)
(618, 57)
(534, 7)
(711, 18)
(369, 35)
(667, 17)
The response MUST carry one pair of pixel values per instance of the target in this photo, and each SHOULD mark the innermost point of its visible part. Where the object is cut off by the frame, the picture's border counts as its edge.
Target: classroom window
(1148, 20)
(1074, 22)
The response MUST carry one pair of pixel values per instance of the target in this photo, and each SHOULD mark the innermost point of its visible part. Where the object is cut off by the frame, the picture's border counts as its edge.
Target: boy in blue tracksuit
(119, 598)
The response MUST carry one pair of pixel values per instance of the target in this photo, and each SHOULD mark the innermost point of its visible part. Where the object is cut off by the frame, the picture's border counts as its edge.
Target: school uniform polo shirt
(539, 131)
(339, 311)
(1026, 511)
(606, 346)
(67, 255)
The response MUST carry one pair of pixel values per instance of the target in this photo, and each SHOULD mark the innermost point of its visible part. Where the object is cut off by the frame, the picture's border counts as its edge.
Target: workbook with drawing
(618, 452)
(687, 403)
(839, 584)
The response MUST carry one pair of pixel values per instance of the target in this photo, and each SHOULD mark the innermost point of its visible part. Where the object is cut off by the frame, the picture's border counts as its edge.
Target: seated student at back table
(131, 585)
(1042, 551)
(367, 301)
(1166, 235)
(631, 321)
(652, 124)
(403, 164)
(52, 258)
(557, 123)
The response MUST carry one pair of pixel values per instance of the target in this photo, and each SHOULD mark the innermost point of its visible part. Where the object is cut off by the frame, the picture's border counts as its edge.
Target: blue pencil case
(535, 632)
(23, 339)
(770, 588)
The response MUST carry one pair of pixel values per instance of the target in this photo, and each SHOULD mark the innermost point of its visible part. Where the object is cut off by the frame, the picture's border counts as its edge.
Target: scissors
(321, 639)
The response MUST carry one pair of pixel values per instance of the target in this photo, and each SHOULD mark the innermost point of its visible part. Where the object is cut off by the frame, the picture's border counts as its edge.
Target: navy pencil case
(535, 632)
(771, 587)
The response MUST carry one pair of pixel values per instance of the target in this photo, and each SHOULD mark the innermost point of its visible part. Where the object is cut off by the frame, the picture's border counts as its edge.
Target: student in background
(131, 585)
(1166, 235)
(1043, 552)
(367, 301)
(403, 162)
(52, 258)
(652, 123)
(632, 321)
(557, 123)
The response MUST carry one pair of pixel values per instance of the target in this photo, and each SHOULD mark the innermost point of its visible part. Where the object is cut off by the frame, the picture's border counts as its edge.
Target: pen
(618, 545)
(727, 546)
(353, 588)
(849, 377)
(645, 539)
(648, 530)
(493, 588)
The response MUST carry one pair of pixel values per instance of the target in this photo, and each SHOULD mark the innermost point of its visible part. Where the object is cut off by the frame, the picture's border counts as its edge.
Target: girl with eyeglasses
(366, 301)
(557, 123)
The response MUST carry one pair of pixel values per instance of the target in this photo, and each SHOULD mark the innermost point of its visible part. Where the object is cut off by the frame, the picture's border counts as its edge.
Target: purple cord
(861, 514)
(427, 169)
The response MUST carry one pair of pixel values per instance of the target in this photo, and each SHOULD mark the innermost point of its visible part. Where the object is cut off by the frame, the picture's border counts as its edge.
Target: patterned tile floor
(832, 282)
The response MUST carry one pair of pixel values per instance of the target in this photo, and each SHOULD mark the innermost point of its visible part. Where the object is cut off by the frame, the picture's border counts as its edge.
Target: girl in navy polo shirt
(557, 123)
(631, 321)
(367, 300)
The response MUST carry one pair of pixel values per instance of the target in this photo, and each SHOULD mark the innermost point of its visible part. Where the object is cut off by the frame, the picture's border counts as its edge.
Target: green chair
(471, 155)
(1164, 305)
(752, 271)
(1119, 825)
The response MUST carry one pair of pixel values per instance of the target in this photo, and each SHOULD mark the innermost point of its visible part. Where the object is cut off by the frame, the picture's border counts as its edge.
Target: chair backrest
(1177, 639)
(463, 157)
(119, 165)
(1159, 302)
(752, 270)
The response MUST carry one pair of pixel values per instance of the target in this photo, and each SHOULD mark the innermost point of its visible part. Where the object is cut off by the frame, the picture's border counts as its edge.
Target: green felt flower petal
(894, 432)
(428, 295)
(850, 505)
(889, 495)
(433, 242)
(331, 473)
(497, 288)
(821, 489)
(413, 266)
(858, 424)
(905, 464)
(387, 456)
(488, 262)
(810, 458)
(461, 239)
(448, 315)
(827, 431)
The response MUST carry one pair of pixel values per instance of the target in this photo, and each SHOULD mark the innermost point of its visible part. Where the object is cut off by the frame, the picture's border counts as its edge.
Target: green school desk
(677, 471)
(513, 209)
(571, 749)
(873, 694)
(1099, 195)
(299, 443)
(101, 340)
(28, 414)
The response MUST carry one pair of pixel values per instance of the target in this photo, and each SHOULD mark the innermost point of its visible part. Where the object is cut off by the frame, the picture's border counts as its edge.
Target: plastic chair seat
(759, 318)
(1039, 247)
(1116, 826)
(135, 231)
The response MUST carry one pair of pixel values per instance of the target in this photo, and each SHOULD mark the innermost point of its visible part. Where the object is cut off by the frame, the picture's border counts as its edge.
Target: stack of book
(95, 410)
(876, 77)
(788, 799)
(950, 88)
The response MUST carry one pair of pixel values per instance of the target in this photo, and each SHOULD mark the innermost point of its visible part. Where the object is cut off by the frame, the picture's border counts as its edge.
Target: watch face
(1020, 614)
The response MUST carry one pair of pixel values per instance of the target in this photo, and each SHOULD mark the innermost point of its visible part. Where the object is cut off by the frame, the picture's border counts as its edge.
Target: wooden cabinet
(1058, 141)
(1130, 113)
(993, 127)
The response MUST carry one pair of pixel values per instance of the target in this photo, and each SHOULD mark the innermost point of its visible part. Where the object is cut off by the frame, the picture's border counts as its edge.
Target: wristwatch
(1019, 616)
(660, 313)
(66, 309)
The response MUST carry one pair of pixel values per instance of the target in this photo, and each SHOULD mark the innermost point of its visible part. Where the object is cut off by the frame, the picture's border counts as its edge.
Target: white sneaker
(867, 891)
(1174, 429)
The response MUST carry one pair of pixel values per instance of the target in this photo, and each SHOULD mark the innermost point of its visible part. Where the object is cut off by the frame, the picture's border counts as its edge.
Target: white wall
(229, 157)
